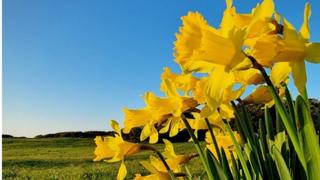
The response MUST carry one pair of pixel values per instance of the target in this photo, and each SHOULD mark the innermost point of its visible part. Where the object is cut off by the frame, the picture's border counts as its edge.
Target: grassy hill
(68, 158)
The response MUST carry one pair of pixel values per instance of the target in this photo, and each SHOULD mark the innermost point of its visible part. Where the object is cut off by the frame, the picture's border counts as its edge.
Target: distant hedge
(77, 134)
(10, 136)
(7, 136)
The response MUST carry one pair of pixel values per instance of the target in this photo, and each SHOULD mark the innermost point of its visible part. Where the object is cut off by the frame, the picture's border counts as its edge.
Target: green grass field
(70, 158)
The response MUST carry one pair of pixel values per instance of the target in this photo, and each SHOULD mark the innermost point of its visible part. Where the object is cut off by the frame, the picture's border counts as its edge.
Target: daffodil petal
(145, 133)
(122, 172)
(174, 126)
(229, 3)
(115, 126)
(304, 30)
(169, 150)
(166, 126)
(226, 111)
(219, 79)
(299, 75)
(264, 10)
(280, 72)
(153, 135)
(289, 32)
(260, 95)
(148, 166)
(313, 52)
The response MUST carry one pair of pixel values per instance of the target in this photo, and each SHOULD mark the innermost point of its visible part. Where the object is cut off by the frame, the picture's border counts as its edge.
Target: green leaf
(198, 148)
(281, 164)
(216, 147)
(268, 122)
(287, 122)
(310, 142)
(239, 152)
(225, 164)
(245, 122)
(290, 104)
(235, 169)
(215, 167)
(262, 139)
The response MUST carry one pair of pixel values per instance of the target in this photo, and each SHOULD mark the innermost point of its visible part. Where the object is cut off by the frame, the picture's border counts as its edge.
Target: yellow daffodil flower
(260, 95)
(256, 23)
(279, 74)
(199, 123)
(294, 47)
(114, 148)
(157, 168)
(159, 111)
(189, 41)
(207, 55)
(224, 141)
(199, 91)
(183, 82)
(248, 77)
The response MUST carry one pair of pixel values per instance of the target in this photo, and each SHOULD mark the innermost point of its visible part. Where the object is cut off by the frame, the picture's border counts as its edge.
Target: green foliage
(289, 151)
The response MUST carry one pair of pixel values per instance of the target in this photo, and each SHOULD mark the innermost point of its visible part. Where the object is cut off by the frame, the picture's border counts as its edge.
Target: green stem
(198, 148)
(239, 152)
(214, 140)
(292, 132)
(150, 148)
(165, 164)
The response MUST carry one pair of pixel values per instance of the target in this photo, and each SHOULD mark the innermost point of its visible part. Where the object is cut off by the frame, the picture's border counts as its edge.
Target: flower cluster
(217, 67)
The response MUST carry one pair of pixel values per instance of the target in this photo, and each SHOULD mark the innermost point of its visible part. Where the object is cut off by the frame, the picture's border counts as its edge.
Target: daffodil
(186, 103)
(262, 21)
(248, 77)
(198, 121)
(189, 42)
(114, 148)
(216, 52)
(183, 82)
(258, 22)
(293, 47)
(199, 91)
(159, 112)
(157, 168)
(279, 74)
(224, 141)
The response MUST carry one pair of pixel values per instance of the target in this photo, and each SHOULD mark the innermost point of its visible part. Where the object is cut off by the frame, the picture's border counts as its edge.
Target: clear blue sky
(73, 65)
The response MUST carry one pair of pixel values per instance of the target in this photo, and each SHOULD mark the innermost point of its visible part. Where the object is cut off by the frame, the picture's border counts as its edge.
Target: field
(69, 158)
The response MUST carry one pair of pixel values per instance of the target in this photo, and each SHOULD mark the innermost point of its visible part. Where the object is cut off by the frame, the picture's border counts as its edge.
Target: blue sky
(73, 65)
